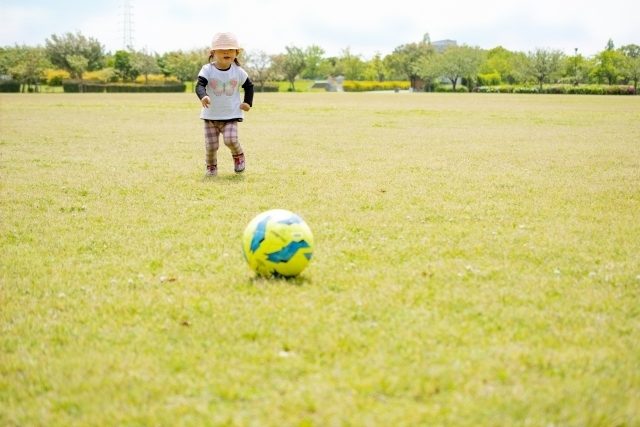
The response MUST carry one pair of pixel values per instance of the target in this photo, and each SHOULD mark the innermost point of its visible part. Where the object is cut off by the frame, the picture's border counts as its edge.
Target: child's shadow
(230, 178)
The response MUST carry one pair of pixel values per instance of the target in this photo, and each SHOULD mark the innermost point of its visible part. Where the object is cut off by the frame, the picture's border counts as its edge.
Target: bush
(55, 77)
(136, 88)
(9, 86)
(157, 79)
(267, 87)
(368, 86)
(449, 88)
(72, 86)
(561, 89)
(105, 75)
(489, 79)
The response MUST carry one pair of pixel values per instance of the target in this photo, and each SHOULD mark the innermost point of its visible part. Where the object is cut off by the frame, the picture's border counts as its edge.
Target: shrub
(9, 86)
(525, 89)
(449, 88)
(267, 87)
(157, 79)
(136, 88)
(73, 86)
(55, 77)
(105, 75)
(367, 86)
(489, 79)
(561, 89)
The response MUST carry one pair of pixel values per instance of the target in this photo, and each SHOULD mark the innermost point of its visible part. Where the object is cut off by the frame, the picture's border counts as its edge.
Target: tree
(543, 64)
(351, 65)
(78, 64)
(258, 65)
(124, 66)
(24, 64)
(458, 62)
(144, 63)
(375, 69)
(184, 65)
(313, 56)
(291, 65)
(406, 59)
(506, 66)
(631, 69)
(609, 65)
(63, 52)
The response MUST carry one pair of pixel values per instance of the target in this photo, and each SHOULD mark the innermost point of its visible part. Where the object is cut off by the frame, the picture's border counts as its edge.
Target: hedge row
(561, 89)
(9, 86)
(266, 87)
(366, 86)
(74, 87)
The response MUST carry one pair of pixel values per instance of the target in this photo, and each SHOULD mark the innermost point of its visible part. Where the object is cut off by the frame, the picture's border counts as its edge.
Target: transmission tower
(127, 24)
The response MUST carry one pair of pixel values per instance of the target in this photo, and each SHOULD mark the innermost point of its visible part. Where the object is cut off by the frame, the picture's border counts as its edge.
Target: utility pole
(127, 25)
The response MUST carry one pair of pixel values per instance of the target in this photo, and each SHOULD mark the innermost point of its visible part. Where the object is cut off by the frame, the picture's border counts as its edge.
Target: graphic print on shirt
(223, 88)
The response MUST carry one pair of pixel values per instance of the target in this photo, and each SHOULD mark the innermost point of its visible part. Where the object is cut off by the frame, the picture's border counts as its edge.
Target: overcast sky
(364, 27)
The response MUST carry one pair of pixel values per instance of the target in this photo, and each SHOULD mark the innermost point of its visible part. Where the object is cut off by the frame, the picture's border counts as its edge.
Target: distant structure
(441, 45)
(127, 24)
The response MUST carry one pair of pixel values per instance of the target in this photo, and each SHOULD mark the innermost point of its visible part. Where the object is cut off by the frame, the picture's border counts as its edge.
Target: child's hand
(205, 101)
(245, 107)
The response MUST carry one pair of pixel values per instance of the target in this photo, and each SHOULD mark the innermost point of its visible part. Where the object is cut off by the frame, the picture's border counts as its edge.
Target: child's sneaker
(212, 170)
(238, 162)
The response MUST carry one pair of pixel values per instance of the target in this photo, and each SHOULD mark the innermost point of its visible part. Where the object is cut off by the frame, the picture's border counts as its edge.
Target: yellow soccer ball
(277, 243)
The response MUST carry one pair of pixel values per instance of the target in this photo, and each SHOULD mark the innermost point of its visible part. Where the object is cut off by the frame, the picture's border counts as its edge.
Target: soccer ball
(277, 243)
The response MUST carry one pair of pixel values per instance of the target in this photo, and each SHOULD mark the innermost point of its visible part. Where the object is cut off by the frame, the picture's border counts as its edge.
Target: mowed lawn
(477, 262)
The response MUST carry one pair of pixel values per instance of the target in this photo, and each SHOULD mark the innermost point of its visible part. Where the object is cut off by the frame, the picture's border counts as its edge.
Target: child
(218, 89)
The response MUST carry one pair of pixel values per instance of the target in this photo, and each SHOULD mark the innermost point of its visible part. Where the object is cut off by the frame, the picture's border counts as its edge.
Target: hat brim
(223, 47)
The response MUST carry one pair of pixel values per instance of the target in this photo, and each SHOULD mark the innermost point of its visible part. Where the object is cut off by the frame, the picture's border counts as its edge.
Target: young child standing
(218, 89)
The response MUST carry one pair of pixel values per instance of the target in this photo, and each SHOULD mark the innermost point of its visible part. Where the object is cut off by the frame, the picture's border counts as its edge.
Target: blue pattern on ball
(286, 253)
(258, 235)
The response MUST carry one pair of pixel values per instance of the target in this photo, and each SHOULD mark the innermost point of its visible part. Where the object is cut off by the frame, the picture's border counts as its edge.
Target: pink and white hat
(222, 41)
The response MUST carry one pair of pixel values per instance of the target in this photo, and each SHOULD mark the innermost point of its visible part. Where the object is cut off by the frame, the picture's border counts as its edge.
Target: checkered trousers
(212, 131)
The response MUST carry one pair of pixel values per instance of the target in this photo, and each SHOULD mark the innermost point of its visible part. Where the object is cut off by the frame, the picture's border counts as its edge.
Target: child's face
(224, 57)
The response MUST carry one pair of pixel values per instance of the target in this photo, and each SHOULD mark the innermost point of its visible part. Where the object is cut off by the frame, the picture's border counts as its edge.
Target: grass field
(477, 262)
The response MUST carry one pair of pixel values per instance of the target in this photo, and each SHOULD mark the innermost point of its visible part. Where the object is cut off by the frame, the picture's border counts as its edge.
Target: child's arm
(201, 91)
(248, 95)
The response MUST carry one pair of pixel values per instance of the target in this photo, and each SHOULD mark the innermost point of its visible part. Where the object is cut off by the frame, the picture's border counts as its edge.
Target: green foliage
(183, 65)
(609, 66)
(489, 79)
(407, 61)
(544, 65)
(313, 58)
(450, 88)
(24, 64)
(511, 66)
(456, 63)
(9, 86)
(123, 65)
(291, 64)
(267, 87)
(568, 89)
(65, 52)
(368, 86)
(76, 86)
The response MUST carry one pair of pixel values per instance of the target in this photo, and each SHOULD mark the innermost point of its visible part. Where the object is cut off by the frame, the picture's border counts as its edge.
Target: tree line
(424, 64)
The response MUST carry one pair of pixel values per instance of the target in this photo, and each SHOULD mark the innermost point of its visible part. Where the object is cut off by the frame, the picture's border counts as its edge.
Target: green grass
(477, 262)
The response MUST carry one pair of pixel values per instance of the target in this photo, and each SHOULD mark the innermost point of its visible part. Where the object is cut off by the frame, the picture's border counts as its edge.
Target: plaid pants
(212, 131)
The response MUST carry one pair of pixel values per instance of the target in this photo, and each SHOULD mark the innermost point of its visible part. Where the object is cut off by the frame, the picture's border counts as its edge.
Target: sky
(365, 28)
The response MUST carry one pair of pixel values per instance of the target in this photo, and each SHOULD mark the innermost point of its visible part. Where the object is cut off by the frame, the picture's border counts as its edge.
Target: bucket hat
(222, 41)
